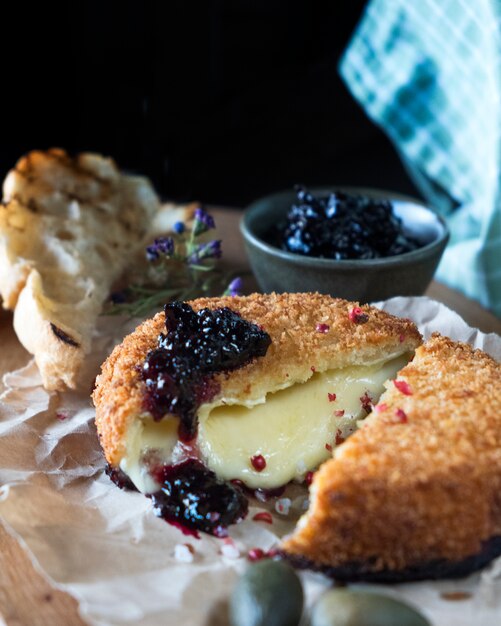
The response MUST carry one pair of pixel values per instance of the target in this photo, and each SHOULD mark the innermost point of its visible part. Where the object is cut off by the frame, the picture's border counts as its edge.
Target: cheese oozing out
(294, 429)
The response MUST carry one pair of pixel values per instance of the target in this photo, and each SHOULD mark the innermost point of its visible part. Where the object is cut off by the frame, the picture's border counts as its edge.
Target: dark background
(217, 100)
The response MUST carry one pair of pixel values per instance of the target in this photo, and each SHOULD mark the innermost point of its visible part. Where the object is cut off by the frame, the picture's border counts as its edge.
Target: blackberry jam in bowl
(354, 243)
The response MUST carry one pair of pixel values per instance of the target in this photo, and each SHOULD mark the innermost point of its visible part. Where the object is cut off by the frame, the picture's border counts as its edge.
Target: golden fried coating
(297, 350)
(420, 481)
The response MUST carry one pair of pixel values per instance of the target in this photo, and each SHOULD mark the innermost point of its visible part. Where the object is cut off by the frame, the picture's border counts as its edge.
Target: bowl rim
(397, 259)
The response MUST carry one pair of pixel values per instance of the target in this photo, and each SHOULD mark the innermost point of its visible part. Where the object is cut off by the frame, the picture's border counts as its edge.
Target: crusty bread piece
(296, 351)
(415, 492)
(68, 228)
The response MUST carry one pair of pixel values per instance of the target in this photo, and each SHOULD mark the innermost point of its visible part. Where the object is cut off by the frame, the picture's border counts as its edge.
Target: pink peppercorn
(258, 462)
(255, 554)
(263, 516)
(322, 328)
(357, 315)
(403, 387)
(401, 416)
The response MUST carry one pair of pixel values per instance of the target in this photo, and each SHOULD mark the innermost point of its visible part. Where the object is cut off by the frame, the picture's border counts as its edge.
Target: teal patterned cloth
(429, 73)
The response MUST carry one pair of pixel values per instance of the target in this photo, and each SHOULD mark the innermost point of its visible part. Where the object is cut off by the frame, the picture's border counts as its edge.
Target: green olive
(362, 607)
(268, 594)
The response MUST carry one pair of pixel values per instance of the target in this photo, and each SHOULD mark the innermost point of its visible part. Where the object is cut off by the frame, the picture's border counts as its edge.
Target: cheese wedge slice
(414, 494)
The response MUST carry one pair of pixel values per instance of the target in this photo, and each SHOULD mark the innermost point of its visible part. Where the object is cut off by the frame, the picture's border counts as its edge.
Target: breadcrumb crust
(420, 481)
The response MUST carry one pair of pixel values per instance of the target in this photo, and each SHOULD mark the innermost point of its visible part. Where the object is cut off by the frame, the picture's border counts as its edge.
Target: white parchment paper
(106, 547)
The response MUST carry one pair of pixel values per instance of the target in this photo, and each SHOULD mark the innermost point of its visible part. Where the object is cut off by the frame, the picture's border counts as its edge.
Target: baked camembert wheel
(250, 391)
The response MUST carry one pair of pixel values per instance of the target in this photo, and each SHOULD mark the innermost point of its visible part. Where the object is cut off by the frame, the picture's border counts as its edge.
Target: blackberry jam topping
(343, 226)
(179, 373)
(194, 498)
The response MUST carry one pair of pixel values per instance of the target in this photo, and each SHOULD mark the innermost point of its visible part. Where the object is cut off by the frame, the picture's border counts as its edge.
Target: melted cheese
(149, 441)
(294, 429)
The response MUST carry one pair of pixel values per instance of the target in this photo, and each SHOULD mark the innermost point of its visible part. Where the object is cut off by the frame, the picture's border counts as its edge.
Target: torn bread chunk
(414, 493)
(271, 419)
(68, 229)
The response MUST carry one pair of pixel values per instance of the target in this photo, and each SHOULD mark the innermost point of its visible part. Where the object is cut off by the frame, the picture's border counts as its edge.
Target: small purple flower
(179, 228)
(203, 222)
(235, 287)
(151, 253)
(162, 246)
(211, 250)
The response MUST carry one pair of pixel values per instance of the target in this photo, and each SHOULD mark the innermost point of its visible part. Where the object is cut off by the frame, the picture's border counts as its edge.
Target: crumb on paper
(300, 503)
(259, 495)
(456, 596)
(229, 549)
(283, 506)
(184, 553)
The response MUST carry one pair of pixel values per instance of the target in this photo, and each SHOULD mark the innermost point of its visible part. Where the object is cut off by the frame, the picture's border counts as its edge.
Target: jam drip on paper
(193, 498)
(197, 345)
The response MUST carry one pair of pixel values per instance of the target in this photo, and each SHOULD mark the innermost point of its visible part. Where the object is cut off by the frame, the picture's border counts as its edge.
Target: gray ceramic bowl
(406, 274)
